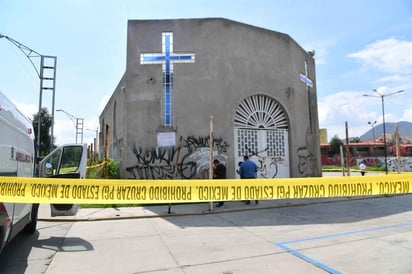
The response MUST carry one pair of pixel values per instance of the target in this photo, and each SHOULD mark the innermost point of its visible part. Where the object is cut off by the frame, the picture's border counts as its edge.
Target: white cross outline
(167, 57)
(305, 78)
(308, 82)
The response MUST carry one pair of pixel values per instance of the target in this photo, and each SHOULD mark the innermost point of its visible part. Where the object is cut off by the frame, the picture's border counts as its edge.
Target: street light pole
(47, 75)
(373, 134)
(382, 96)
(373, 129)
(78, 123)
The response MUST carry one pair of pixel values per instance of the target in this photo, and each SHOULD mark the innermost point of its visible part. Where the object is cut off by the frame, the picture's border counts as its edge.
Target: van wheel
(30, 228)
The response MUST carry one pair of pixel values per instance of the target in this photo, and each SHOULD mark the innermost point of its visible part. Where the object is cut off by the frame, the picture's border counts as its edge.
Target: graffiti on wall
(268, 166)
(405, 164)
(192, 161)
(305, 161)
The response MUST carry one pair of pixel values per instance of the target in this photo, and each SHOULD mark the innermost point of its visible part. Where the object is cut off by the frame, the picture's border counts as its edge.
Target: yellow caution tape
(96, 165)
(95, 191)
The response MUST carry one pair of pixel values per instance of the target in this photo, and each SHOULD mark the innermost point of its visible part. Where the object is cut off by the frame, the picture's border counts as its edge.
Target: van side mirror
(49, 169)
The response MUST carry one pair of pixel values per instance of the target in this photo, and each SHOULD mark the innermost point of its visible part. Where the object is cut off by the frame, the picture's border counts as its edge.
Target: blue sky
(359, 45)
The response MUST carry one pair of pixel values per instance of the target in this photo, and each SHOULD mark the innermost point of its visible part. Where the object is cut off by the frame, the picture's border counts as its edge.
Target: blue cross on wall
(167, 58)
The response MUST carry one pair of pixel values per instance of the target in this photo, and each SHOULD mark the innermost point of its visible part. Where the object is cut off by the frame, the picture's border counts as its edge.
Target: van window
(62, 161)
(71, 159)
(52, 164)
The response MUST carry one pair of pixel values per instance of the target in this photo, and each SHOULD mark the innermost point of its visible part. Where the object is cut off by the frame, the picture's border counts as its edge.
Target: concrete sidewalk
(329, 235)
(369, 235)
(150, 211)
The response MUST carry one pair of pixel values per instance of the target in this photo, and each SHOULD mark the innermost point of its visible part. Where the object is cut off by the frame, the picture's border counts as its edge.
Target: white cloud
(64, 127)
(320, 56)
(65, 130)
(321, 47)
(407, 114)
(390, 55)
(396, 82)
(396, 78)
(351, 107)
(27, 109)
(103, 102)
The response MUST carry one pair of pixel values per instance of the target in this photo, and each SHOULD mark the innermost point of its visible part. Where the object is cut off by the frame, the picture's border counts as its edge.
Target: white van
(17, 158)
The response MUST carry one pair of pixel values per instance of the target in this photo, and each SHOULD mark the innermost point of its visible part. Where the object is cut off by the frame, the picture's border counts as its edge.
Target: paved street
(370, 235)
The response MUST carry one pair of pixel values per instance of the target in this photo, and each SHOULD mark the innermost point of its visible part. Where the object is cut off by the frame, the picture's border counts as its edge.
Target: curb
(206, 212)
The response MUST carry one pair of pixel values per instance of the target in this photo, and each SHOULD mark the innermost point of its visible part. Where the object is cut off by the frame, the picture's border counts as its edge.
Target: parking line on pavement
(329, 269)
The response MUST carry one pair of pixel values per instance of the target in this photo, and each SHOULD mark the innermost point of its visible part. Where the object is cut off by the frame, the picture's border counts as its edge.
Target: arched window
(260, 112)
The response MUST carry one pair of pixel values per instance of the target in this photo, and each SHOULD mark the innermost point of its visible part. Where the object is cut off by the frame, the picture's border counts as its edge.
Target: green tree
(334, 145)
(45, 138)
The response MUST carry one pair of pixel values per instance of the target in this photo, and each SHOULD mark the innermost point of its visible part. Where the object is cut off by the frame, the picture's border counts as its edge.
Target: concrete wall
(232, 61)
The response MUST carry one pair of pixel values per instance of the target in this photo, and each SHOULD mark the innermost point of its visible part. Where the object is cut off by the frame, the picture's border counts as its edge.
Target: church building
(254, 88)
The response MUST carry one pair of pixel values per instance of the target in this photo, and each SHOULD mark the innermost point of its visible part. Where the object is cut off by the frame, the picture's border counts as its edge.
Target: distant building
(258, 84)
(323, 135)
(369, 151)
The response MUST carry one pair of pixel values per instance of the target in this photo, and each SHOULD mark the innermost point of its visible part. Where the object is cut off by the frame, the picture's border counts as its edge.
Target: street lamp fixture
(78, 123)
(382, 96)
(372, 124)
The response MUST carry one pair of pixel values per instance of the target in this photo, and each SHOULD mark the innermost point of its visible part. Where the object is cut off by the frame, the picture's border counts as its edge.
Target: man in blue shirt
(248, 170)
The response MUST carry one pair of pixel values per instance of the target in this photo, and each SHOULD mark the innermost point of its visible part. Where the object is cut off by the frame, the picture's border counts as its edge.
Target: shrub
(96, 170)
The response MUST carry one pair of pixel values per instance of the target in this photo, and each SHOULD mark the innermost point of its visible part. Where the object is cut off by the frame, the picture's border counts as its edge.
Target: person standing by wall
(219, 173)
(248, 170)
(238, 170)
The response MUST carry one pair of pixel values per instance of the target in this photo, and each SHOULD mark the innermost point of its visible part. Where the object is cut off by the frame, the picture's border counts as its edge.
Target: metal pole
(96, 144)
(39, 113)
(106, 152)
(169, 210)
(384, 136)
(374, 139)
(397, 143)
(53, 105)
(211, 156)
(342, 160)
(383, 118)
(31, 54)
(77, 127)
(81, 136)
(347, 149)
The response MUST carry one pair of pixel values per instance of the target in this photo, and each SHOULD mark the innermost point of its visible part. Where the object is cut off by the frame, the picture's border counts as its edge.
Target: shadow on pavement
(14, 257)
(314, 212)
(64, 244)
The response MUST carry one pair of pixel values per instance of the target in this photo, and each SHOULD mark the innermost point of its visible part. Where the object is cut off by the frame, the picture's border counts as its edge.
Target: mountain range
(405, 129)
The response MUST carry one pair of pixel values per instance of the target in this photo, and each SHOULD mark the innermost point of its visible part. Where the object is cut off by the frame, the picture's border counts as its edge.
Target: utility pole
(348, 158)
(78, 123)
(382, 96)
(47, 74)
